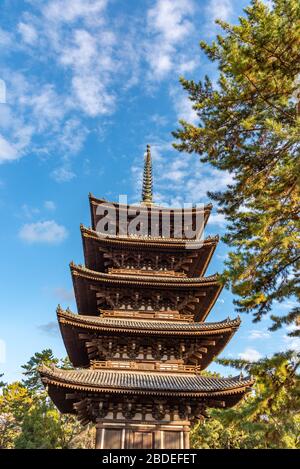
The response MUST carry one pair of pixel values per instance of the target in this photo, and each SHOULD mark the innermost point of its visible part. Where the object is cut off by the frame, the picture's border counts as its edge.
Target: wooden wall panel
(112, 438)
(172, 440)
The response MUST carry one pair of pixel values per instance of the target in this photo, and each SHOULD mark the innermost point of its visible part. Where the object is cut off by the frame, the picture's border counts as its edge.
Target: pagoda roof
(199, 251)
(98, 201)
(61, 382)
(72, 325)
(86, 281)
(151, 280)
(145, 326)
(156, 210)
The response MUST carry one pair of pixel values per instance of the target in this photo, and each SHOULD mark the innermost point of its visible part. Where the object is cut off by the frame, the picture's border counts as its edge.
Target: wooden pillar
(100, 433)
(186, 437)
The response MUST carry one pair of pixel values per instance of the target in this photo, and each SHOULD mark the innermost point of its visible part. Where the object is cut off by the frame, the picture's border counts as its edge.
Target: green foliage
(29, 419)
(249, 125)
(44, 427)
(15, 402)
(32, 379)
(267, 418)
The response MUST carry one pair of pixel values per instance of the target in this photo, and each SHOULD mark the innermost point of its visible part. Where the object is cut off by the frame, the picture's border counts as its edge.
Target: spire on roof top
(147, 179)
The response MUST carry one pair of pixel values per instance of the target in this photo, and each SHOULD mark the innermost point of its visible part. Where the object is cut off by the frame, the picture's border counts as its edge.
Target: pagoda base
(146, 435)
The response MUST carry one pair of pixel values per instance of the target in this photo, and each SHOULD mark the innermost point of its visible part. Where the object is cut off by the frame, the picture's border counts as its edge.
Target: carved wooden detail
(126, 408)
(103, 348)
(147, 300)
(147, 261)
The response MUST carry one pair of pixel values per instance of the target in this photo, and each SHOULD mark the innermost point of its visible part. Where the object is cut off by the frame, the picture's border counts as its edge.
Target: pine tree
(249, 125)
(267, 418)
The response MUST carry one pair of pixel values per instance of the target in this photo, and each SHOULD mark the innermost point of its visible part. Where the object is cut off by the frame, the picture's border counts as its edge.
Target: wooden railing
(162, 315)
(147, 272)
(143, 366)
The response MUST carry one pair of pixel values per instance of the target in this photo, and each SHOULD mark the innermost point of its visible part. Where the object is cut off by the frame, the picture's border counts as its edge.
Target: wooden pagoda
(139, 342)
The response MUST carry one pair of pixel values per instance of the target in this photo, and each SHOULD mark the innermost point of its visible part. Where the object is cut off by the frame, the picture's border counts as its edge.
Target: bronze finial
(147, 179)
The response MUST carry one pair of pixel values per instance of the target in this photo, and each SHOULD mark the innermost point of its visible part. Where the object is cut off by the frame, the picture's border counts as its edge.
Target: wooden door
(139, 440)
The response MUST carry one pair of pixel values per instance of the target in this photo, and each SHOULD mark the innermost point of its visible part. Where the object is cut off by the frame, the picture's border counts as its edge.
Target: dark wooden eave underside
(202, 292)
(199, 252)
(215, 336)
(115, 382)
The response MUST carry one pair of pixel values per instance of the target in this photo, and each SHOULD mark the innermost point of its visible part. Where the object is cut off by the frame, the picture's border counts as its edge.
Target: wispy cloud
(256, 334)
(51, 328)
(48, 232)
(291, 343)
(8, 151)
(183, 106)
(217, 9)
(169, 24)
(63, 174)
(29, 212)
(49, 205)
(28, 32)
(250, 354)
(63, 294)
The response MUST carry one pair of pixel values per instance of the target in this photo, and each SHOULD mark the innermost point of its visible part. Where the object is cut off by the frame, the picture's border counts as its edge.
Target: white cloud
(8, 152)
(250, 354)
(47, 107)
(257, 334)
(6, 39)
(82, 51)
(88, 53)
(43, 232)
(219, 9)
(72, 136)
(92, 95)
(62, 174)
(28, 32)
(217, 219)
(67, 12)
(49, 205)
(292, 343)
(188, 66)
(183, 106)
(169, 22)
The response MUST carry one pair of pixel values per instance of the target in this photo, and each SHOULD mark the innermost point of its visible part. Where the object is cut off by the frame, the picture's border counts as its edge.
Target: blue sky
(88, 84)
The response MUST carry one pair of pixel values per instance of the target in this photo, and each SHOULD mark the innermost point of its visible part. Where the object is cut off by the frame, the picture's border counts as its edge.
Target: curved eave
(200, 252)
(137, 280)
(72, 325)
(60, 383)
(95, 202)
(85, 281)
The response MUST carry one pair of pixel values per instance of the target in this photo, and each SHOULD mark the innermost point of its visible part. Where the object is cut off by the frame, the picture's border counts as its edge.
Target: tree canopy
(249, 125)
(29, 419)
(268, 417)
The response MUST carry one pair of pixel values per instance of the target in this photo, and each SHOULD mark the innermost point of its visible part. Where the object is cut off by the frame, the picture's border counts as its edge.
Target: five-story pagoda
(139, 341)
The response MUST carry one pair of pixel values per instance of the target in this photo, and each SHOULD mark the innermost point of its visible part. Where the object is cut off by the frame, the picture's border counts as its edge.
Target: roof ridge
(55, 372)
(104, 275)
(131, 238)
(86, 318)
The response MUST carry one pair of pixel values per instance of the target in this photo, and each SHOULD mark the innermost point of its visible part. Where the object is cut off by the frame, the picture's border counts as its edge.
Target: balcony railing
(162, 315)
(147, 272)
(144, 366)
